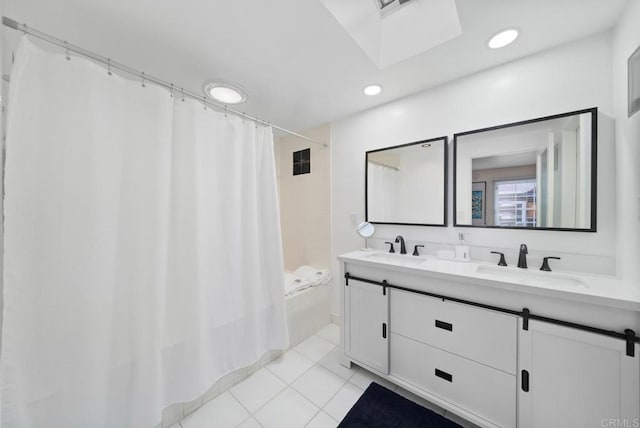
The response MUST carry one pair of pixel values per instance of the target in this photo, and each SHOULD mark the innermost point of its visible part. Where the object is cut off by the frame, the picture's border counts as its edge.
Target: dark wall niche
(302, 162)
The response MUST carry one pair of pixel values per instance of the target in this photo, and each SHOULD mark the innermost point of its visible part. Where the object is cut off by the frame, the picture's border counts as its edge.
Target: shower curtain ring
(204, 101)
(143, 85)
(171, 91)
(182, 89)
(109, 67)
(66, 51)
(225, 110)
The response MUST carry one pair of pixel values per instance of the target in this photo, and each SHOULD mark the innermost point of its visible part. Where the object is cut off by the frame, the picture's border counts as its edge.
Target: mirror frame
(594, 169)
(445, 141)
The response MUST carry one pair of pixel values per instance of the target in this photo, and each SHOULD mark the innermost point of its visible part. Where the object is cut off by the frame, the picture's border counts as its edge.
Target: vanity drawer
(484, 391)
(482, 335)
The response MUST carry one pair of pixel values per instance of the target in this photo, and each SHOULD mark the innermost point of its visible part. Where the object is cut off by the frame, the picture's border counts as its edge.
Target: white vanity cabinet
(576, 379)
(366, 320)
(468, 345)
(460, 353)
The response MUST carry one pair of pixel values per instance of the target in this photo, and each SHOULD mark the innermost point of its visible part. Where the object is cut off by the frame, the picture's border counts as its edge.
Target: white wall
(3, 91)
(5, 58)
(626, 38)
(571, 77)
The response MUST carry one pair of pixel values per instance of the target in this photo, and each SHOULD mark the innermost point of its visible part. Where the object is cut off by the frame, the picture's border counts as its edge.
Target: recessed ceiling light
(503, 38)
(224, 92)
(372, 89)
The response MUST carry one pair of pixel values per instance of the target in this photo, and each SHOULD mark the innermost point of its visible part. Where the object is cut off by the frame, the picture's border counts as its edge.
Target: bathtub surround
(144, 256)
(304, 202)
(305, 224)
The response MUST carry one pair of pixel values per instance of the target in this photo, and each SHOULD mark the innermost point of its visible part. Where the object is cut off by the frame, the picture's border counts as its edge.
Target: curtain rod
(8, 22)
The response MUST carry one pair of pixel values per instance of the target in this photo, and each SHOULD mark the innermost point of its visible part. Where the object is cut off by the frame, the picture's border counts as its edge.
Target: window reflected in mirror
(406, 184)
(536, 174)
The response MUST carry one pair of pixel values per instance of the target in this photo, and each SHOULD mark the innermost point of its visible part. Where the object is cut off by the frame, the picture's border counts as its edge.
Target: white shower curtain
(143, 256)
(382, 192)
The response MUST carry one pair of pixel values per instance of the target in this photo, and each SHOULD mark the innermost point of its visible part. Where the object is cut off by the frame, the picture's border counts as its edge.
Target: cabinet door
(576, 378)
(366, 324)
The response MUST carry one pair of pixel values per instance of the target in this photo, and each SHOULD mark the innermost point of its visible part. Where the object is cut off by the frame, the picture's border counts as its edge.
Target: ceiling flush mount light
(503, 38)
(224, 92)
(372, 90)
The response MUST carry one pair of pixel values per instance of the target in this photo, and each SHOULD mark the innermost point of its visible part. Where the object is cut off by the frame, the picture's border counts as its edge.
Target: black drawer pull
(444, 375)
(384, 330)
(444, 325)
(525, 381)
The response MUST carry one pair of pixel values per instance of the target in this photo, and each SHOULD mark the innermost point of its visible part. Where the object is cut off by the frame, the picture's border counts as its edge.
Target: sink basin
(447, 265)
(395, 259)
(500, 272)
(529, 277)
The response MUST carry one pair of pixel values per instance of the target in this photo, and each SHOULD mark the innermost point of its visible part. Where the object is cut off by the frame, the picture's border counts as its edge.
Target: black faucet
(502, 261)
(400, 239)
(522, 258)
(545, 263)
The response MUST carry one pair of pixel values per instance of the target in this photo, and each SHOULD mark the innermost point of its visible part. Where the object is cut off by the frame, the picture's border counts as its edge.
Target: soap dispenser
(462, 250)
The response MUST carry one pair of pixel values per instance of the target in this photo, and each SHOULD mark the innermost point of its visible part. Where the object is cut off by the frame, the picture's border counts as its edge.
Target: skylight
(385, 3)
(390, 31)
(387, 6)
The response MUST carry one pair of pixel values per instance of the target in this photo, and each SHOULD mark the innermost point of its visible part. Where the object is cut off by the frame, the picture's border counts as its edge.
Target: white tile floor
(305, 387)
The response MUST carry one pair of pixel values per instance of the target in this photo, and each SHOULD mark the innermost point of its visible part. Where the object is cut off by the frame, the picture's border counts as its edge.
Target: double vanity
(498, 346)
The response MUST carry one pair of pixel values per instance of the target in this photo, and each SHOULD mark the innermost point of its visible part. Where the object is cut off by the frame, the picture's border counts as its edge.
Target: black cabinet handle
(525, 381)
(384, 330)
(444, 375)
(444, 325)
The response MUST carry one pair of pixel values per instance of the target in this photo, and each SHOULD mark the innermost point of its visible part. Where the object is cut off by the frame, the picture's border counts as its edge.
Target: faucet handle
(415, 250)
(524, 249)
(545, 263)
(502, 261)
(391, 249)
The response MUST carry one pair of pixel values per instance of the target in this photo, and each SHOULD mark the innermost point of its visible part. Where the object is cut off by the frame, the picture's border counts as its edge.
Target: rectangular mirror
(536, 174)
(407, 184)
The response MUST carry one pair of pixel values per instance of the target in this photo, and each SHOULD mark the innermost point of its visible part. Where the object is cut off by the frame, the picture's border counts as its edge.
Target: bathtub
(307, 312)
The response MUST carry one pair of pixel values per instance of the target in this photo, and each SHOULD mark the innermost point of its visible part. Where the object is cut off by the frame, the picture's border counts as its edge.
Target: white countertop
(588, 288)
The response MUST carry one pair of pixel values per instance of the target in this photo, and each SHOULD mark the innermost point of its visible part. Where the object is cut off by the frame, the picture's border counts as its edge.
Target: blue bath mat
(379, 407)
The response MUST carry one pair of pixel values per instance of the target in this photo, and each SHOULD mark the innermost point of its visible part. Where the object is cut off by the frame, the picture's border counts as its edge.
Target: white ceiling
(505, 161)
(389, 38)
(299, 64)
